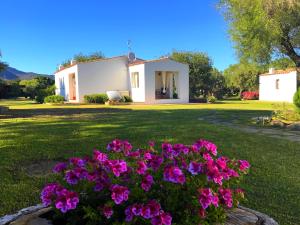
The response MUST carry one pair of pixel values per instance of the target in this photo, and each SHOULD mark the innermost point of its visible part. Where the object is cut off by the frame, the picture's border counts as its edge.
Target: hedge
(54, 99)
(96, 98)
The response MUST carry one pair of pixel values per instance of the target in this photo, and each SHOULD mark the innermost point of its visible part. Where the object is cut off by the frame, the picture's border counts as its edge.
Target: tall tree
(243, 77)
(200, 66)
(263, 28)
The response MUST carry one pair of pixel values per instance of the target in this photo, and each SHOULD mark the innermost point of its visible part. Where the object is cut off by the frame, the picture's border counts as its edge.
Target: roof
(286, 71)
(149, 61)
(96, 60)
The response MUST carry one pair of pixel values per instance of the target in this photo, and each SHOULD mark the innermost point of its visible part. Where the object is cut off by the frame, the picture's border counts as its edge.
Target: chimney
(271, 70)
(60, 67)
(73, 61)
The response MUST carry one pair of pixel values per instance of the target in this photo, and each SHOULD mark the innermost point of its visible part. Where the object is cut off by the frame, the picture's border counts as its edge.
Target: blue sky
(36, 35)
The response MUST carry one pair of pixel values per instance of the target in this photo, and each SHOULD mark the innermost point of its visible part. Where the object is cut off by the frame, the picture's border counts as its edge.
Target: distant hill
(13, 74)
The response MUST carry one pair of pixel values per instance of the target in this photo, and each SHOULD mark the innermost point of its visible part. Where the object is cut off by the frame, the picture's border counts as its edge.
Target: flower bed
(250, 95)
(178, 185)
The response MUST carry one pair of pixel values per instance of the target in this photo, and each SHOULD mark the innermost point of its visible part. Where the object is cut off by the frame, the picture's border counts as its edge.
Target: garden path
(279, 133)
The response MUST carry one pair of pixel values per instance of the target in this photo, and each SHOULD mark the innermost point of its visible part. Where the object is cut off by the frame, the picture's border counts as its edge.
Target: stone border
(262, 219)
(10, 218)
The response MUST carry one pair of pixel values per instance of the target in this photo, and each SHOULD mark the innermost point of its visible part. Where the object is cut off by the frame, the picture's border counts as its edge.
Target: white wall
(102, 76)
(62, 88)
(166, 65)
(286, 91)
(138, 94)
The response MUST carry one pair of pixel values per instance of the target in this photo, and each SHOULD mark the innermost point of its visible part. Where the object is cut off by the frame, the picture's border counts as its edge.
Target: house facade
(278, 85)
(146, 81)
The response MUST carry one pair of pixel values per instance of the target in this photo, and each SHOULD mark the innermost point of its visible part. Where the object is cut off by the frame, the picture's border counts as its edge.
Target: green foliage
(262, 28)
(281, 63)
(242, 76)
(10, 89)
(203, 77)
(96, 98)
(38, 88)
(211, 99)
(54, 99)
(296, 99)
(127, 98)
(80, 57)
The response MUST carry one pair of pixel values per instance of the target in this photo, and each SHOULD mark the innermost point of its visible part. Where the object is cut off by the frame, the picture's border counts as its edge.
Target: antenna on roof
(131, 55)
(129, 45)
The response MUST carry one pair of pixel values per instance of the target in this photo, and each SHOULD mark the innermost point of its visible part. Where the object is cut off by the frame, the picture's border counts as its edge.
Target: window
(135, 82)
(277, 84)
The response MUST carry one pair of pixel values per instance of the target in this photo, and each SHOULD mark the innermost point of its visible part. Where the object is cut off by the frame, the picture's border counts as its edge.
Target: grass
(31, 134)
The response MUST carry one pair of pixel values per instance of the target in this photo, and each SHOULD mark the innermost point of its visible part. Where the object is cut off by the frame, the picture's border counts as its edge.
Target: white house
(146, 81)
(278, 85)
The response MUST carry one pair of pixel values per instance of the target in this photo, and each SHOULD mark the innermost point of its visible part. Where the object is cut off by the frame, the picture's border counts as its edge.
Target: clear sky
(36, 35)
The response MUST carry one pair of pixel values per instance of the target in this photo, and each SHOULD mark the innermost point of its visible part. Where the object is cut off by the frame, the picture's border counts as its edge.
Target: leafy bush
(54, 99)
(211, 99)
(127, 98)
(179, 183)
(96, 98)
(250, 95)
(297, 99)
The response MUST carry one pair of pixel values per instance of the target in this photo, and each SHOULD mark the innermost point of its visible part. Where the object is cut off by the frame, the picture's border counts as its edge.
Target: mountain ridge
(11, 73)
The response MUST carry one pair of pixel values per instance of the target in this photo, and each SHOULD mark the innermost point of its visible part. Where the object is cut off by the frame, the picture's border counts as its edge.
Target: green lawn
(32, 134)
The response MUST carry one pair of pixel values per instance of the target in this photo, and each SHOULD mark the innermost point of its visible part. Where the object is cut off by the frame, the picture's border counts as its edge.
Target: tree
(200, 67)
(80, 57)
(3, 65)
(218, 87)
(242, 76)
(264, 28)
(38, 87)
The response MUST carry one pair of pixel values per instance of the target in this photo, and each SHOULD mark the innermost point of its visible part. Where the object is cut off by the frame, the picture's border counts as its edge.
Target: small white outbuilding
(278, 85)
(146, 81)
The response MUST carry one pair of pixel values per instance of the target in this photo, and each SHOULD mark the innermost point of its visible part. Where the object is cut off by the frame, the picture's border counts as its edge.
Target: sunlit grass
(32, 133)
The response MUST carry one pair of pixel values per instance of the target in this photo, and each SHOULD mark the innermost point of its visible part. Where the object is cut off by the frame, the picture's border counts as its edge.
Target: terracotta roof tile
(286, 71)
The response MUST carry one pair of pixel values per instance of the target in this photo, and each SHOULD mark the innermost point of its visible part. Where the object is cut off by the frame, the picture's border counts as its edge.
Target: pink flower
(162, 219)
(207, 198)
(226, 196)
(142, 167)
(107, 211)
(119, 193)
(202, 213)
(49, 193)
(222, 163)
(77, 162)
(127, 147)
(155, 162)
(151, 144)
(174, 174)
(118, 167)
(213, 172)
(60, 167)
(209, 146)
(115, 146)
(147, 182)
(66, 200)
(133, 210)
(195, 168)
(99, 156)
(244, 165)
(151, 209)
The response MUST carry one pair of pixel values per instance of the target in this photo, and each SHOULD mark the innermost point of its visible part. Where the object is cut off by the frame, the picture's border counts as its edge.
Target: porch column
(164, 77)
(171, 75)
